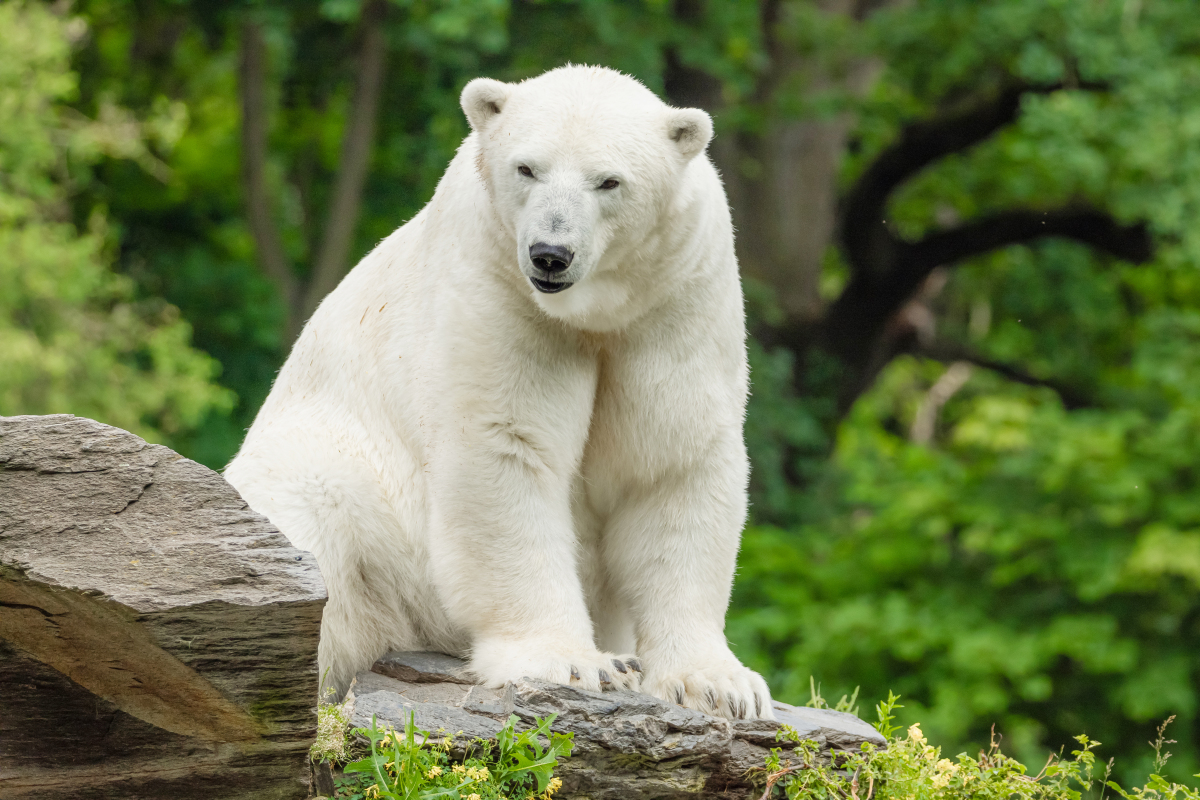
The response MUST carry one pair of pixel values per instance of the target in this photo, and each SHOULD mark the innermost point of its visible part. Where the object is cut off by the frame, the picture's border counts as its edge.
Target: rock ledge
(627, 745)
(158, 638)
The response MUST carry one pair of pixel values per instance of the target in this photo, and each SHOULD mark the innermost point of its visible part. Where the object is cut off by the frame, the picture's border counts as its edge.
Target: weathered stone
(422, 668)
(157, 637)
(628, 746)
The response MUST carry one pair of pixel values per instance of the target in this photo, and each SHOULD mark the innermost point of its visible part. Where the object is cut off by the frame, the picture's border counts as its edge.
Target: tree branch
(855, 327)
(915, 260)
(333, 257)
(860, 314)
(1085, 225)
(950, 352)
(863, 232)
(252, 80)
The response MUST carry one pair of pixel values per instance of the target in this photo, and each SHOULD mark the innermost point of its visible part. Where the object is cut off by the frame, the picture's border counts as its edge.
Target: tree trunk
(782, 182)
(784, 187)
(331, 262)
(252, 86)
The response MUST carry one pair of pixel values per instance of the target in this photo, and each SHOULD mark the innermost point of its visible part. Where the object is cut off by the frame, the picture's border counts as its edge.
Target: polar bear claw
(588, 669)
(727, 689)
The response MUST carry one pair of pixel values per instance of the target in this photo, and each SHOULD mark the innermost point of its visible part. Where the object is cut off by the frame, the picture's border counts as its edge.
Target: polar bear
(514, 431)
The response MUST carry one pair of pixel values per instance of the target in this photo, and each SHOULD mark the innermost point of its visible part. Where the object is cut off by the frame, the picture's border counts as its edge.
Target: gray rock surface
(157, 637)
(628, 746)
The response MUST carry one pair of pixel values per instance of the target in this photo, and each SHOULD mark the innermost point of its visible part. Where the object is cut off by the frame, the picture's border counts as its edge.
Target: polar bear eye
(526, 171)
(611, 183)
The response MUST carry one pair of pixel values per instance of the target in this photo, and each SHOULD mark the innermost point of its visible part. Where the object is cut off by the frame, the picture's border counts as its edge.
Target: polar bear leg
(672, 550)
(522, 601)
(611, 620)
(369, 611)
(333, 507)
(505, 560)
(510, 430)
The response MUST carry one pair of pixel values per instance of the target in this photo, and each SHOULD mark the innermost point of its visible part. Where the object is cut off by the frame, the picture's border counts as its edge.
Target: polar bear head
(585, 166)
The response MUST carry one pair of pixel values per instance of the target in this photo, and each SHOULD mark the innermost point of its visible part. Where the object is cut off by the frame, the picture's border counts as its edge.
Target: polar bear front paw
(593, 670)
(723, 690)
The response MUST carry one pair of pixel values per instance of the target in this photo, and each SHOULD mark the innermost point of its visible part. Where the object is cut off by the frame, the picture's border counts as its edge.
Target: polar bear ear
(690, 129)
(482, 99)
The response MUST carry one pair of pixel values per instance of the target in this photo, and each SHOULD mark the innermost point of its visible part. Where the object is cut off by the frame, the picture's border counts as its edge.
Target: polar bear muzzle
(551, 259)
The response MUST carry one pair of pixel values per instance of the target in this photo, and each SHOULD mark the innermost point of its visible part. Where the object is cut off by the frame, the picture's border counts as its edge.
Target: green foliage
(886, 717)
(73, 335)
(1034, 569)
(910, 768)
(412, 766)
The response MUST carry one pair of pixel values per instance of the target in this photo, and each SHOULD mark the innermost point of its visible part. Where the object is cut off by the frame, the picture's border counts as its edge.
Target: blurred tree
(331, 258)
(310, 134)
(72, 336)
(784, 140)
(791, 129)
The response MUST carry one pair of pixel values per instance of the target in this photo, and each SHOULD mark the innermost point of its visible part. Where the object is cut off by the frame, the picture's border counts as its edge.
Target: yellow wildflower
(915, 734)
(473, 797)
(554, 786)
(433, 772)
(458, 769)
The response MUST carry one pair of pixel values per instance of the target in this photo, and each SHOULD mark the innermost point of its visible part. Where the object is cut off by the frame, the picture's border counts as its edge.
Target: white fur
(538, 481)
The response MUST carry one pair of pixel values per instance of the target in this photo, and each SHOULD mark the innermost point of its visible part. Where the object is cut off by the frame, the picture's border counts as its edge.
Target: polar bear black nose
(550, 257)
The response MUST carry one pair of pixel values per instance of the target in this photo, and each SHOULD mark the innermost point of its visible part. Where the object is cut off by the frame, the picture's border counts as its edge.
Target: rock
(157, 637)
(627, 745)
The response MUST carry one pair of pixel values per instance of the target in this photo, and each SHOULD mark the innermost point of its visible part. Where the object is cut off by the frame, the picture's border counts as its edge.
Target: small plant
(909, 768)
(886, 717)
(848, 703)
(333, 720)
(413, 766)
(333, 723)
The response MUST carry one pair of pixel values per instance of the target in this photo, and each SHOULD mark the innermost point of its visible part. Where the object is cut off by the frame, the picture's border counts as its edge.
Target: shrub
(910, 768)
